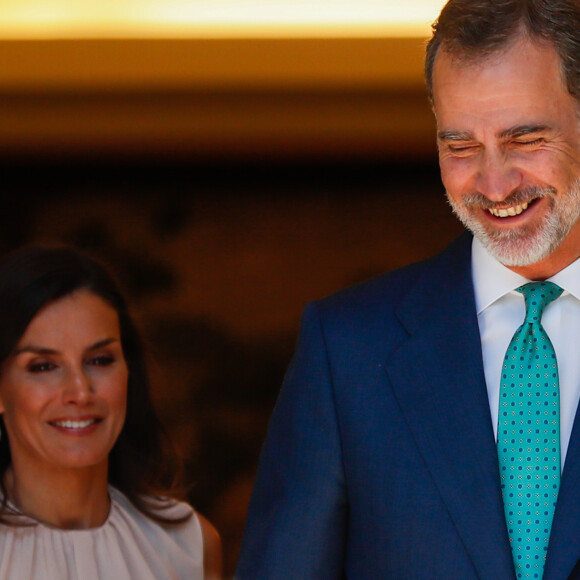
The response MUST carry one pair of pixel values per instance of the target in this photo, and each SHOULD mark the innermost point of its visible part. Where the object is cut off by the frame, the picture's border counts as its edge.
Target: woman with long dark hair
(85, 479)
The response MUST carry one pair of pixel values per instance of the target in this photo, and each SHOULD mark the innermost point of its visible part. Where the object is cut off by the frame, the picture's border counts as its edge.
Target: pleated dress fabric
(128, 546)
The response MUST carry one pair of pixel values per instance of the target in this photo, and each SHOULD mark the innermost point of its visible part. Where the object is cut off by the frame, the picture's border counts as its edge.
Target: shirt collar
(569, 279)
(492, 280)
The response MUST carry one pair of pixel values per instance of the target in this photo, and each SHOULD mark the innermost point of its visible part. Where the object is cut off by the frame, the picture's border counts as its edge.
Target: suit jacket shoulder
(400, 302)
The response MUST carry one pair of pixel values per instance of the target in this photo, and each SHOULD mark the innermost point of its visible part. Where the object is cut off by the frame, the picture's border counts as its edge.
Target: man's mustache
(517, 197)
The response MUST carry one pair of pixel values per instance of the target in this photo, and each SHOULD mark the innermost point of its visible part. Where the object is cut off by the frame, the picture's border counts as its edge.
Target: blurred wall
(202, 97)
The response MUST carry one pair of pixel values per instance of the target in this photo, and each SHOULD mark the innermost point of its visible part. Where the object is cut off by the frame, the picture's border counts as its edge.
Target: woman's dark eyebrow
(104, 342)
(34, 350)
(41, 350)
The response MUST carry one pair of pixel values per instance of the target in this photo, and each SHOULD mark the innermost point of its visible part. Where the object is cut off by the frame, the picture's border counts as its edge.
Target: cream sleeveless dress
(128, 546)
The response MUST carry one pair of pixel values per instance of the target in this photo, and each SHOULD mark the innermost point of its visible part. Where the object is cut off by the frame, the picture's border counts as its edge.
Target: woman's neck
(67, 499)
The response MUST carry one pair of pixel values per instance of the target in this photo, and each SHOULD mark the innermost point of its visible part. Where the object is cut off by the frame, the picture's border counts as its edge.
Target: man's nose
(497, 177)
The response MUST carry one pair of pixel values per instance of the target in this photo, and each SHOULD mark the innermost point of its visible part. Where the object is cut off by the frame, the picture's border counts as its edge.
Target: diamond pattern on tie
(528, 440)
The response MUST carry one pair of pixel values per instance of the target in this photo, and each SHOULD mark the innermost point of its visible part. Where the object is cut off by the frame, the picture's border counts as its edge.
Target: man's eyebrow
(451, 135)
(522, 131)
(511, 133)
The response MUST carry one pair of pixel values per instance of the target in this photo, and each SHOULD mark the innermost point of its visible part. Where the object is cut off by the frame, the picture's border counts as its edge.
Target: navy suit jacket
(380, 460)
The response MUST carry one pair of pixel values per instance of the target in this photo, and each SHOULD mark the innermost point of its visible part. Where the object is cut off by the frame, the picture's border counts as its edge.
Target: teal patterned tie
(528, 438)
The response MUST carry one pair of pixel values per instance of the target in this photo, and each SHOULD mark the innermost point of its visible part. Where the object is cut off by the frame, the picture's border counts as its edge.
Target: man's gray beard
(526, 245)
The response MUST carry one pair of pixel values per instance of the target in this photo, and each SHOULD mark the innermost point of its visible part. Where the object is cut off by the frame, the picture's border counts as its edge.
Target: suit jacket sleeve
(296, 526)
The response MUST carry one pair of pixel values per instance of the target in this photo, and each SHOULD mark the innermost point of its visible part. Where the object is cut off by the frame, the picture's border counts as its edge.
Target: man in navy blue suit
(381, 459)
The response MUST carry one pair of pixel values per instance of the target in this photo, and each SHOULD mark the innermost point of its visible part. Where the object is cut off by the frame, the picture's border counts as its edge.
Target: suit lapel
(437, 376)
(564, 548)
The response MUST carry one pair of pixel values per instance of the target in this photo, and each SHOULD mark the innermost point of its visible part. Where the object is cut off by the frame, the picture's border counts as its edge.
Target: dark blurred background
(227, 184)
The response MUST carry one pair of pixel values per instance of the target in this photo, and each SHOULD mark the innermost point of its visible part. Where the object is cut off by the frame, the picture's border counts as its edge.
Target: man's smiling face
(509, 151)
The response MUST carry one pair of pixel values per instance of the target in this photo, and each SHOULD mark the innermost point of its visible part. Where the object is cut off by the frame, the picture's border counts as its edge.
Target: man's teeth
(510, 211)
(75, 424)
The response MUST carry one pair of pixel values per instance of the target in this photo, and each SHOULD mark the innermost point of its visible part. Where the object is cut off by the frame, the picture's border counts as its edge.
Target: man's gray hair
(475, 29)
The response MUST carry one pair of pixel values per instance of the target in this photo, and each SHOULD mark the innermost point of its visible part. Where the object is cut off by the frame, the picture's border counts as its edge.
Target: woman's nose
(78, 388)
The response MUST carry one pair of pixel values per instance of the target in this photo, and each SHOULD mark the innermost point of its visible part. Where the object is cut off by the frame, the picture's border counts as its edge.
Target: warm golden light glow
(27, 19)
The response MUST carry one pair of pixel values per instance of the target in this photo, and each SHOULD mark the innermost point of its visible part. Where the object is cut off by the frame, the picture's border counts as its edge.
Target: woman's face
(63, 390)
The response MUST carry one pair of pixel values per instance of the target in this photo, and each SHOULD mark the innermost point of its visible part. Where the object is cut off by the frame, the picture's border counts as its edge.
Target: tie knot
(537, 296)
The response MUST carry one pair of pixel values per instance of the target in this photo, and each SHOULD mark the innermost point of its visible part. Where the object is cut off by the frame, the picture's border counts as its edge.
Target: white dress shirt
(501, 310)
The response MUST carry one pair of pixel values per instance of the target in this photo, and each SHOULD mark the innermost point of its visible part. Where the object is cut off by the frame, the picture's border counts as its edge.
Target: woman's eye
(41, 367)
(102, 361)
